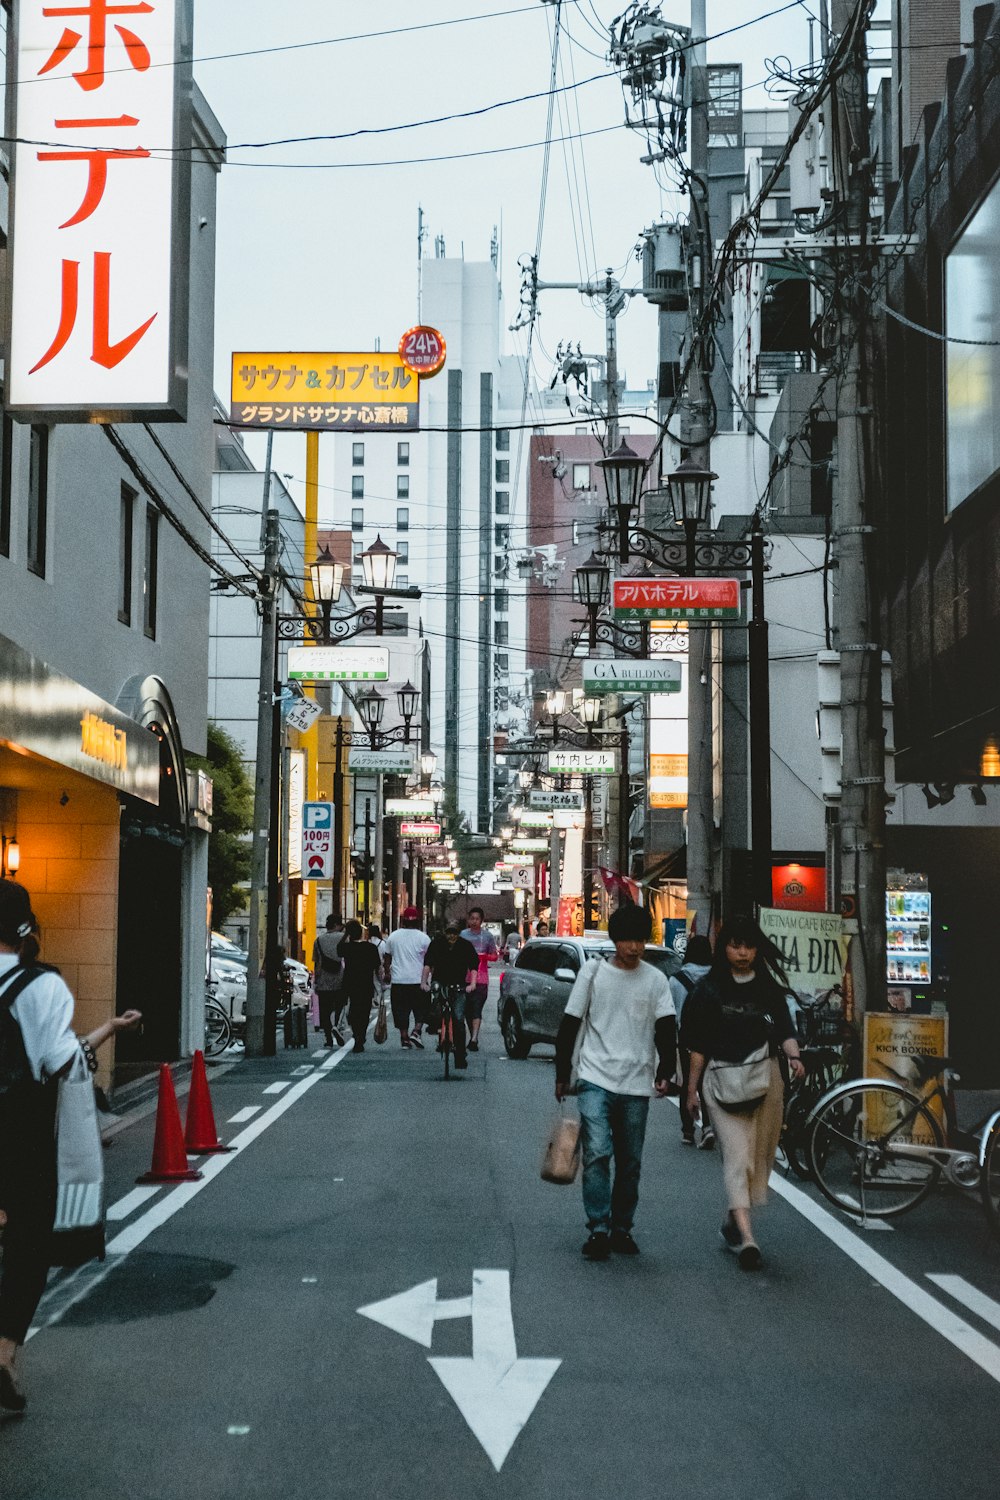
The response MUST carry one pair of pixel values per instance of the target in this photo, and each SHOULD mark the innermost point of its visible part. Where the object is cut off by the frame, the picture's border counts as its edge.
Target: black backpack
(15, 1069)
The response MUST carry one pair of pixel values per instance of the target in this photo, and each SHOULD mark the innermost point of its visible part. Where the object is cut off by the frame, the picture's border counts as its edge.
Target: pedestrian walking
(37, 1047)
(512, 946)
(697, 962)
(328, 978)
(403, 967)
(485, 945)
(453, 963)
(361, 964)
(734, 1025)
(628, 1048)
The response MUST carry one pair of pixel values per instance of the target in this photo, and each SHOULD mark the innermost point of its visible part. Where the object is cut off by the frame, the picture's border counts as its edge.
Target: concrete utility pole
(264, 792)
(862, 814)
(697, 437)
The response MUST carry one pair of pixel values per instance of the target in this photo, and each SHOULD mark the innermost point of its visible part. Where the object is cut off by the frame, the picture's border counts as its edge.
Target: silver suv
(534, 992)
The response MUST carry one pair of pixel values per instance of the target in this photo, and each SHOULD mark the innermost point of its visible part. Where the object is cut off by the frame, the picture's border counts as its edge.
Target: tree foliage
(232, 824)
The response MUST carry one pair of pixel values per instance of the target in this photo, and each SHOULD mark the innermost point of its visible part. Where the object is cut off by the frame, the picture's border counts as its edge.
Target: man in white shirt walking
(628, 1047)
(403, 969)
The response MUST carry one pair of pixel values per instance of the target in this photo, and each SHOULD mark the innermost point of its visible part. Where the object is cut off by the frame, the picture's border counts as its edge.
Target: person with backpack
(37, 1047)
(697, 962)
(328, 978)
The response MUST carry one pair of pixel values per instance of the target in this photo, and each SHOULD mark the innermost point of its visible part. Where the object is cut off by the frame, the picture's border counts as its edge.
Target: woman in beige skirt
(735, 1010)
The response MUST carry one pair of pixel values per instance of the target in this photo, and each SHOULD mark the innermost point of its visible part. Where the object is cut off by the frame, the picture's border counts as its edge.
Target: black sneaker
(473, 1046)
(338, 1036)
(359, 1046)
(12, 1398)
(598, 1247)
(749, 1257)
(731, 1235)
(687, 1140)
(622, 1242)
(415, 1040)
(463, 1064)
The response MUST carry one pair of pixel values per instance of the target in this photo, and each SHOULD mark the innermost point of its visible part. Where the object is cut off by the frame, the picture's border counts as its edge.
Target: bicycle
(442, 1005)
(876, 1149)
(218, 1028)
(827, 1047)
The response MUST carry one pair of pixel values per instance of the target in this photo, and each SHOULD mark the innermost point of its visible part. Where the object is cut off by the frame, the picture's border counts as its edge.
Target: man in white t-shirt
(403, 970)
(628, 1048)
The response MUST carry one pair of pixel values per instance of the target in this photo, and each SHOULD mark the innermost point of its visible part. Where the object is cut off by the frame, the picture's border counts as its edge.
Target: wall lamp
(10, 857)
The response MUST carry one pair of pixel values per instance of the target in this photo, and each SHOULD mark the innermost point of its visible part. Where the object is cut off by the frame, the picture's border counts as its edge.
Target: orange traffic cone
(201, 1134)
(169, 1157)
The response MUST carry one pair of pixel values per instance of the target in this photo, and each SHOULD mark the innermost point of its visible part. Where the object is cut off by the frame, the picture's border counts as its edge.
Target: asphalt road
(220, 1354)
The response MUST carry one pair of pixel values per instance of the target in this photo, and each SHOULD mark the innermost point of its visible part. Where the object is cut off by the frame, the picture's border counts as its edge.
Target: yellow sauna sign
(102, 741)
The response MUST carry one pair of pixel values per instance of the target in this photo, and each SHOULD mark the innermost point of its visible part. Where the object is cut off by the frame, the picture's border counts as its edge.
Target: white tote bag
(79, 1155)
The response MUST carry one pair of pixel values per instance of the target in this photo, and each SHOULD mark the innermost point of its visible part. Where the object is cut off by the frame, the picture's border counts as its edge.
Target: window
(503, 470)
(402, 580)
(38, 500)
(503, 440)
(359, 560)
(501, 632)
(576, 533)
(151, 576)
(7, 442)
(402, 518)
(357, 486)
(503, 662)
(972, 373)
(357, 519)
(501, 536)
(501, 601)
(358, 455)
(402, 453)
(503, 502)
(568, 959)
(402, 552)
(581, 476)
(402, 486)
(126, 525)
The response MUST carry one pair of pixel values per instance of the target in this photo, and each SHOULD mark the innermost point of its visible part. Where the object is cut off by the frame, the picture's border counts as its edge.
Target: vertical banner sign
(317, 841)
(100, 102)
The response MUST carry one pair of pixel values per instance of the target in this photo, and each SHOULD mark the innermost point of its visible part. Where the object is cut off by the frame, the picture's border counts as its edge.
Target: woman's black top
(361, 964)
(728, 1021)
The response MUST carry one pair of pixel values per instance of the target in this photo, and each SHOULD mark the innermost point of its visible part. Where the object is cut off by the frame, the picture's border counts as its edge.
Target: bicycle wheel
(446, 1041)
(861, 1150)
(218, 1030)
(794, 1134)
(990, 1180)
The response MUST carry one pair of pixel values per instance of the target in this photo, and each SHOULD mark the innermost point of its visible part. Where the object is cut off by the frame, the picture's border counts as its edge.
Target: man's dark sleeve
(665, 1033)
(565, 1042)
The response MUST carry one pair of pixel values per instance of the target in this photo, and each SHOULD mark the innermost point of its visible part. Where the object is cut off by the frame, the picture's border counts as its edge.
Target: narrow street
(230, 1309)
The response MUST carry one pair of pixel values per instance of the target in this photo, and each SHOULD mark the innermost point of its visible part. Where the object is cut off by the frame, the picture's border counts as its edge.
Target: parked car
(534, 992)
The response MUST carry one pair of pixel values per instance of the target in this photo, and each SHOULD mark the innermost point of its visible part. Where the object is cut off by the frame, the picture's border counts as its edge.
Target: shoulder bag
(742, 1085)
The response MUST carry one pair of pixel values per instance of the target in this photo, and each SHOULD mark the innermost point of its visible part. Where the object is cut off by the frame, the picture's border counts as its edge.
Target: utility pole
(261, 893)
(760, 725)
(862, 808)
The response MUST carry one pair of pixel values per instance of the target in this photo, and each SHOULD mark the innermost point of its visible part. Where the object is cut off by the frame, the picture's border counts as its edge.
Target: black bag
(296, 1030)
(15, 1070)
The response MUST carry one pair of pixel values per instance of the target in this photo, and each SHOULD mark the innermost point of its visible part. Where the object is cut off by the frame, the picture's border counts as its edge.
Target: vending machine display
(908, 934)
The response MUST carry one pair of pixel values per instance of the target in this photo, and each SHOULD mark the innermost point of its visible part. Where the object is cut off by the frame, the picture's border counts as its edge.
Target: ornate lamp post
(593, 586)
(378, 566)
(690, 490)
(623, 473)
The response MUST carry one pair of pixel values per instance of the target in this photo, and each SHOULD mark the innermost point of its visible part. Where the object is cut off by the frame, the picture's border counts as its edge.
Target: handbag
(78, 1233)
(561, 1161)
(741, 1085)
(381, 1032)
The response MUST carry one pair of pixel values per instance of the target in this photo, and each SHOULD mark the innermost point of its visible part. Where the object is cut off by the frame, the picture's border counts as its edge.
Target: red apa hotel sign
(677, 598)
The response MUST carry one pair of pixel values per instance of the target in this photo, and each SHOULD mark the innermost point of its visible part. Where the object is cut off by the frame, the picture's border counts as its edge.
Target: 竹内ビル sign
(423, 350)
(408, 807)
(338, 663)
(335, 392)
(317, 840)
(399, 761)
(100, 204)
(677, 599)
(570, 801)
(604, 675)
(583, 762)
(410, 830)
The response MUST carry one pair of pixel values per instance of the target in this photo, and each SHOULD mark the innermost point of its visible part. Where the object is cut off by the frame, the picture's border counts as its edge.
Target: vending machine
(908, 929)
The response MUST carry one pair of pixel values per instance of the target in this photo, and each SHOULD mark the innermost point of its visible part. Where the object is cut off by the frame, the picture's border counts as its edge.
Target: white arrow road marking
(495, 1391)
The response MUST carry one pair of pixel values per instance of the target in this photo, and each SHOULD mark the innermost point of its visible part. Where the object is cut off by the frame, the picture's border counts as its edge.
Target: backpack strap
(686, 981)
(17, 982)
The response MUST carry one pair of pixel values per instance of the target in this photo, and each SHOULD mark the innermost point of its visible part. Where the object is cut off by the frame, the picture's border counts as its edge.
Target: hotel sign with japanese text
(100, 107)
(325, 392)
(677, 599)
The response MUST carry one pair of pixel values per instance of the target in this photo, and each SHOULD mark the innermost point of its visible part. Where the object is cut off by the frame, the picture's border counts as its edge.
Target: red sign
(419, 830)
(677, 598)
(423, 350)
(799, 887)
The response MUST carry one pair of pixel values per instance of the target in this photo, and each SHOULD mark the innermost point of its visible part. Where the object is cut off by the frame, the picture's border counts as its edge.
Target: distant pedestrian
(485, 945)
(452, 963)
(361, 964)
(37, 1046)
(628, 1047)
(328, 978)
(542, 928)
(512, 946)
(697, 962)
(738, 1009)
(403, 967)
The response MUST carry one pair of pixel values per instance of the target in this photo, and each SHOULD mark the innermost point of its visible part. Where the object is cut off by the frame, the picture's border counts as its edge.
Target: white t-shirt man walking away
(628, 1048)
(403, 970)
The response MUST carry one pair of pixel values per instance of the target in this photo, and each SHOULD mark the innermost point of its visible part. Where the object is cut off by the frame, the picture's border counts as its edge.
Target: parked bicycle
(876, 1148)
(218, 1028)
(828, 1048)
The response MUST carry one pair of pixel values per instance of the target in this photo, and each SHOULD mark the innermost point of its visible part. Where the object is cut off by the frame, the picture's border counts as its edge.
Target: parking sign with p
(317, 841)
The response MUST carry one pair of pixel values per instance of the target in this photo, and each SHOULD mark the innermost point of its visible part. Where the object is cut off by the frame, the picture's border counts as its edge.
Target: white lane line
(243, 1115)
(301, 1072)
(934, 1313)
(80, 1283)
(278, 1088)
(971, 1297)
(131, 1201)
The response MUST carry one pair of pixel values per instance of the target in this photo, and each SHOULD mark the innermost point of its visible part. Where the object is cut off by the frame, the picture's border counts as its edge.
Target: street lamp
(428, 765)
(327, 581)
(623, 473)
(592, 588)
(406, 697)
(506, 832)
(591, 712)
(378, 567)
(555, 706)
(690, 490)
(371, 707)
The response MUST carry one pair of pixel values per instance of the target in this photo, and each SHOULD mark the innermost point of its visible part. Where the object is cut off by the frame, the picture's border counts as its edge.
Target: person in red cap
(403, 968)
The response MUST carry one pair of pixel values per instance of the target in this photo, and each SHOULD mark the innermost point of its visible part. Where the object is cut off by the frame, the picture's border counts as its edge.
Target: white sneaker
(707, 1139)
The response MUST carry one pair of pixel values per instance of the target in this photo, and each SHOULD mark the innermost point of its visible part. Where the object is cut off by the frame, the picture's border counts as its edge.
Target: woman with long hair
(738, 1009)
(37, 1046)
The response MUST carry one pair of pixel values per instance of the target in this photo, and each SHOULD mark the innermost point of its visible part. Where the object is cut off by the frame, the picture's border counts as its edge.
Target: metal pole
(624, 860)
(272, 966)
(760, 726)
(379, 878)
(588, 852)
(263, 795)
(338, 817)
(285, 926)
(368, 858)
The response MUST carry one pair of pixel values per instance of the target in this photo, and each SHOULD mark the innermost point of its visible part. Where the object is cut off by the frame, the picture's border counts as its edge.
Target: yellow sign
(891, 1042)
(668, 780)
(102, 741)
(332, 392)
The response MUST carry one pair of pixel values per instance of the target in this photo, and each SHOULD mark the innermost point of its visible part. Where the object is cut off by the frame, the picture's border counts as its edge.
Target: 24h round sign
(423, 350)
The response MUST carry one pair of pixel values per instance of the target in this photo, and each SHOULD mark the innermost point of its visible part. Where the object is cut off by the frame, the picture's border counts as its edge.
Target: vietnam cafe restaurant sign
(812, 945)
(100, 202)
(329, 392)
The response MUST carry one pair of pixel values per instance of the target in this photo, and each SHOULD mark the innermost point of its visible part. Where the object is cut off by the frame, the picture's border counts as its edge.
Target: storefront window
(972, 312)
(38, 500)
(151, 579)
(125, 552)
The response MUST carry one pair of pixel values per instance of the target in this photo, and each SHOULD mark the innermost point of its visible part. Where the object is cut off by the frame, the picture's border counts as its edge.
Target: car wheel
(517, 1044)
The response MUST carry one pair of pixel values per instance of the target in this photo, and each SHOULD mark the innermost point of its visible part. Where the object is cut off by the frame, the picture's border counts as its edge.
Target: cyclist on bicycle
(453, 963)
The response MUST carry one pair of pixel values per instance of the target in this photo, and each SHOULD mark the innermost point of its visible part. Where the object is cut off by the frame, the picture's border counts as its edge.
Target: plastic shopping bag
(79, 1222)
(561, 1161)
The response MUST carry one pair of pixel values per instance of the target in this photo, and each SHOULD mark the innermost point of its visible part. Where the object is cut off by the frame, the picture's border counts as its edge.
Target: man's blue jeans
(613, 1125)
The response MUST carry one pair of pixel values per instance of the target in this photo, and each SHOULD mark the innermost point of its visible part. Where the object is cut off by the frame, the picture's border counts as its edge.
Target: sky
(316, 251)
